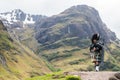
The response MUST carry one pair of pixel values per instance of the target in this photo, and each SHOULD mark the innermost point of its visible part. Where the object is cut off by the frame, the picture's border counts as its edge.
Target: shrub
(81, 60)
(74, 62)
(116, 68)
(58, 76)
(110, 66)
(90, 68)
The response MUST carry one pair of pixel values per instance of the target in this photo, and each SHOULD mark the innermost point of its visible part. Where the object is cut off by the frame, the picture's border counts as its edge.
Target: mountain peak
(81, 9)
(17, 17)
(79, 21)
(82, 6)
(17, 11)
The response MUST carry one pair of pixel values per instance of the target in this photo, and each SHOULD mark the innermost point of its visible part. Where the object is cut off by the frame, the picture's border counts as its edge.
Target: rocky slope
(78, 21)
(20, 26)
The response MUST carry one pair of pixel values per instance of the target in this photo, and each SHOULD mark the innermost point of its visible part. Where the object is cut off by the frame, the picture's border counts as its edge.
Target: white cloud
(108, 9)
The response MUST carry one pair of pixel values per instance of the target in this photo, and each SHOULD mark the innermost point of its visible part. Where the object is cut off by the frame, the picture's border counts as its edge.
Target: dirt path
(93, 75)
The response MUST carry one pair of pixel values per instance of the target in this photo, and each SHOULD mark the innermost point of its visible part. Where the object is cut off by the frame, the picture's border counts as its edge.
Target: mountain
(20, 26)
(17, 18)
(78, 21)
(17, 62)
(65, 38)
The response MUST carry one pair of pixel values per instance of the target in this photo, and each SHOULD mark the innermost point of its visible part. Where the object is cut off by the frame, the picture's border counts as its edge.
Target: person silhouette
(96, 51)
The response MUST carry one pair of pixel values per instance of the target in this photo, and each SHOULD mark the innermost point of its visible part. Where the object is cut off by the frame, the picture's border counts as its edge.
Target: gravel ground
(94, 75)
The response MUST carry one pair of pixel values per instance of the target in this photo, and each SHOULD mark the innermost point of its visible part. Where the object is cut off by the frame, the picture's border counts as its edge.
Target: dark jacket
(97, 46)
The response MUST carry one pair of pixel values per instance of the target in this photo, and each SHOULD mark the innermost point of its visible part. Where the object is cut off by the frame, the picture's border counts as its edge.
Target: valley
(36, 46)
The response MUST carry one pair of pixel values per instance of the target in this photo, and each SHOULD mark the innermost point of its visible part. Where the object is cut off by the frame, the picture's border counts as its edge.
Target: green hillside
(17, 62)
(77, 58)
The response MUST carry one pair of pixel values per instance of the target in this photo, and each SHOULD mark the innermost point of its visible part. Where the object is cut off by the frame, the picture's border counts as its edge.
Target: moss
(72, 78)
(52, 76)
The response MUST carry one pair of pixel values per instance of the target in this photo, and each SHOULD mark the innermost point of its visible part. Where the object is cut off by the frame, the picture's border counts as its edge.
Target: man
(96, 50)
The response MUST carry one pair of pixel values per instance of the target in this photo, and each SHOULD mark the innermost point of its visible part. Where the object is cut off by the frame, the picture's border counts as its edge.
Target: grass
(72, 78)
(50, 66)
(5, 43)
(19, 61)
(62, 61)
(25, 36)
(52, 76)
(80, 59)
(56, 55)
(55, 76)
(77, 61)
(26, 65)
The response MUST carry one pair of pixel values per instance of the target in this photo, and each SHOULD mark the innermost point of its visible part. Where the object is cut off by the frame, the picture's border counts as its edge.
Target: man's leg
(97, 66)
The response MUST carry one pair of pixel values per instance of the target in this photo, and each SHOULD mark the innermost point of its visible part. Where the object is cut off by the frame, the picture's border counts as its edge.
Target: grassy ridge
(17, 61)
(73, 54)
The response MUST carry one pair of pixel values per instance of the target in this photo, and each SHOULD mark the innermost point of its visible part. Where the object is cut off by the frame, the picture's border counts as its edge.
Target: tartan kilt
(96, 56)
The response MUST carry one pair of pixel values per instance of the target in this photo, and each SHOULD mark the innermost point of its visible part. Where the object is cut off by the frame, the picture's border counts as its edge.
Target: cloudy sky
(108, 9)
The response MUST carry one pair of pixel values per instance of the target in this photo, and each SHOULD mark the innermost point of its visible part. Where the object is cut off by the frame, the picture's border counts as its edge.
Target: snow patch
(28, 20)
(15, 16)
